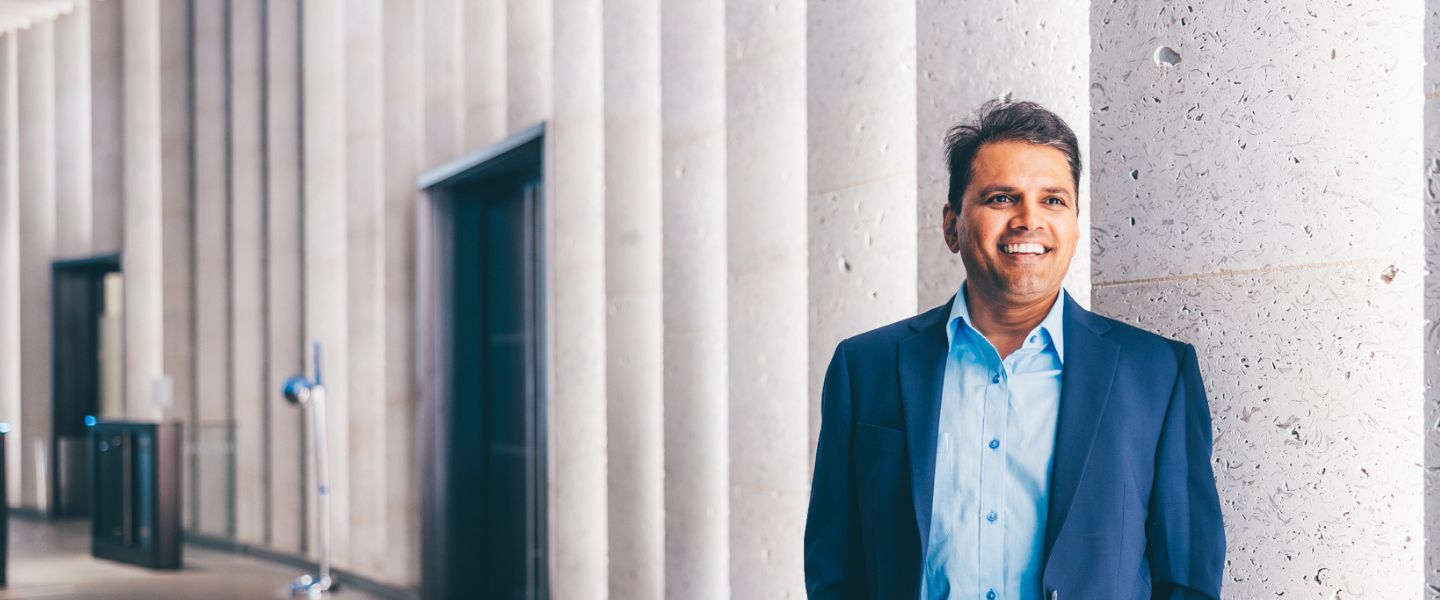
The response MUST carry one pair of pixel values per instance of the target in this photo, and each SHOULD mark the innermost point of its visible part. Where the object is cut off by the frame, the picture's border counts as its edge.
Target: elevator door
(495, 538)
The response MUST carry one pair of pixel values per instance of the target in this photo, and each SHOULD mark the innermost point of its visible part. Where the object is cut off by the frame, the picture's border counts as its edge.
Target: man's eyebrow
(1006, 188)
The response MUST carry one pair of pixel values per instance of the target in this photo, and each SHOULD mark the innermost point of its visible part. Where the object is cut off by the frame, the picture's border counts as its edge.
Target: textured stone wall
(1256, 185)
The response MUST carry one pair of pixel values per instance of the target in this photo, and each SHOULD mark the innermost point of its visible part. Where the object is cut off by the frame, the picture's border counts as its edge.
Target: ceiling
(19, 14)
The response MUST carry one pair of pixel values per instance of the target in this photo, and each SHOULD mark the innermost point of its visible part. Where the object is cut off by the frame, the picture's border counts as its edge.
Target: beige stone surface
(35, 79)
(695, 292)
(575, 208)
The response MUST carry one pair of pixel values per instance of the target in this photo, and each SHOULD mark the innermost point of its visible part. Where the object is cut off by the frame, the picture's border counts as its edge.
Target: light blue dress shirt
(992, 461)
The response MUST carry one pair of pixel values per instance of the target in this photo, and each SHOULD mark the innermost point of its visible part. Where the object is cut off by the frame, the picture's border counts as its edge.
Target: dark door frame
(520, 154)
(92, 266)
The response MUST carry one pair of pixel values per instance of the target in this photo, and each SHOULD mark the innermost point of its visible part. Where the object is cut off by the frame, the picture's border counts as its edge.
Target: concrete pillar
(1247, 213)
(1432, 293)
(861, 133)
(364, 208)
(444, 81)
(326, 188)
(72, 133)
(212, 270)
(107, 121)
(285, 276)
(484, 66)
(248, 390)
(10, 348)
(634, 321)
(768, 298)
(403, 105)
(970, 52)
(575, 174)
(36, 80)
(696, 374)
(528, 49)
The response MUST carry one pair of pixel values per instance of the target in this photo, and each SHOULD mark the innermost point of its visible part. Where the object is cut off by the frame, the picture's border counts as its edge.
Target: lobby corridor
(52, 560)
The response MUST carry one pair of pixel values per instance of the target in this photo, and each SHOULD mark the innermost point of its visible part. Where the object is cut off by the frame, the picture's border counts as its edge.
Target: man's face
(1018, 222)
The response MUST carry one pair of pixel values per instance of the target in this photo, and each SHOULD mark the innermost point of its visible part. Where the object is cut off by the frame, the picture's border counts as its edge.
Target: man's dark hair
(1001, 120)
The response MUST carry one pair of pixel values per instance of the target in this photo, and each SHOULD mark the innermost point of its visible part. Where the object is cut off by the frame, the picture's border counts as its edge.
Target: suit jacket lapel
(922, 376)
(1089, 370)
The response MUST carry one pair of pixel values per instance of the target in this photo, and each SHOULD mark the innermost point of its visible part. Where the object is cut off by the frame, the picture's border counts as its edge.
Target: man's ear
(950, 225)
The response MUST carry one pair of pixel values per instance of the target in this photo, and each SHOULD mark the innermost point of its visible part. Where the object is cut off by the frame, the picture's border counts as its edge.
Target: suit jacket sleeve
(1186, 539)
(834, 567)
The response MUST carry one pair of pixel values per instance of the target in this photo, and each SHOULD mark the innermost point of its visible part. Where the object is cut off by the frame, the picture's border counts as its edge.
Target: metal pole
(310, 395)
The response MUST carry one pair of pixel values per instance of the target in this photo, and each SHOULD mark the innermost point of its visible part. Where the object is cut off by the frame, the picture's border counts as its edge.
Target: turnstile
(135, 487)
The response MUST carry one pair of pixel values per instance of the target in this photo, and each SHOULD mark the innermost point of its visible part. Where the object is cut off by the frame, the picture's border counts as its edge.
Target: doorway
(86, 296)
(483, 418)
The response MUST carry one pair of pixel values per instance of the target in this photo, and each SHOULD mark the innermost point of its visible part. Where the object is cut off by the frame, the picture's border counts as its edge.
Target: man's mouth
(1035, 249)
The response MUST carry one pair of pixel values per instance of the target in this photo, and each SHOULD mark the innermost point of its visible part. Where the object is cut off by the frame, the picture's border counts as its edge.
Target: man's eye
(1056, 200)
(1001, 198)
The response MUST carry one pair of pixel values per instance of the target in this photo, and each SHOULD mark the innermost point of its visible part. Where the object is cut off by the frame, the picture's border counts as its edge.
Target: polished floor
(52, 560)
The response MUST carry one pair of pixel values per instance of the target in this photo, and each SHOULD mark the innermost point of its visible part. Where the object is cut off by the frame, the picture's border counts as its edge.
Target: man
(1011, 444)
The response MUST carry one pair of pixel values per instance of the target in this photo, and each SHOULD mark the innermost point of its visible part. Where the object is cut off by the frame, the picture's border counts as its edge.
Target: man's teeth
(1022, 249)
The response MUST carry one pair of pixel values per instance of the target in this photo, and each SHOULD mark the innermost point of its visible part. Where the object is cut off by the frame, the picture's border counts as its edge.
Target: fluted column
(528, 48)
(325, 246)
(10, 348)
(212, 271)
(1274, 220)
(861, 83)
(444, 81)
(485, 77)
(36, 81)
(72, 133)
(576, 214)
(970, 52)
(403, 104)
(767, 221)
(364, 208)
(285, 275)
(633, 324)
(248, 390)
(107, 122)
(696, 411)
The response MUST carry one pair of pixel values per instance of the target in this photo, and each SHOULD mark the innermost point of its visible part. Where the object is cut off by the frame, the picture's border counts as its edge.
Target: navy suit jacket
(1133, 509)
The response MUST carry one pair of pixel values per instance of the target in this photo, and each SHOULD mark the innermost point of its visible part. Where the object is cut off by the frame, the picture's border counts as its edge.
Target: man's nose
(1025, 216)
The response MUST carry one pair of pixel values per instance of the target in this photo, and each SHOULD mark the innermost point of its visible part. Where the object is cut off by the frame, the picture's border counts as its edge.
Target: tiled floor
(52, 560)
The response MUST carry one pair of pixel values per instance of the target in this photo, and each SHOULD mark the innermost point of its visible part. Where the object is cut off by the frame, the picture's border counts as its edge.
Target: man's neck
(1006, 323)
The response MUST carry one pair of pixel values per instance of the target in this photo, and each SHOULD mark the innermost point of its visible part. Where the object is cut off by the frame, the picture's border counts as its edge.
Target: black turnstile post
(135, 487)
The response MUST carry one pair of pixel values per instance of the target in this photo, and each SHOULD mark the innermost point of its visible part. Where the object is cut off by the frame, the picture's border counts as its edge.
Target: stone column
(107, 121)
(575, 209)
(970, 52)
(211, 250)
(326, 188)
(633, 323)
(403, 106)
(861, 135)
(484, 57)
(36, 81)
(1432, 292)
(1260, 201)
(696, 347)
(444, 81)
(285, 276)
(10, 348)
(528, 48)
(767, 298)
(248, 390)
(364, 208)
(72, 133)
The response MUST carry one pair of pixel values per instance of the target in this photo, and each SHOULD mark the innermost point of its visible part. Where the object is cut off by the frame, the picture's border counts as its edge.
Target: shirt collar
(1052, 326)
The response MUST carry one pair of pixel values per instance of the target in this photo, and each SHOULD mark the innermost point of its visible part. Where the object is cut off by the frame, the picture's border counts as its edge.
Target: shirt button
(1034, 339)
(990, 595)
(994, 444)
(991, 517)
(995, 379)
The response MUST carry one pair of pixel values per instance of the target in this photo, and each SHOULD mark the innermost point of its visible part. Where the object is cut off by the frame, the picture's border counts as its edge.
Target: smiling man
(1010, 443)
